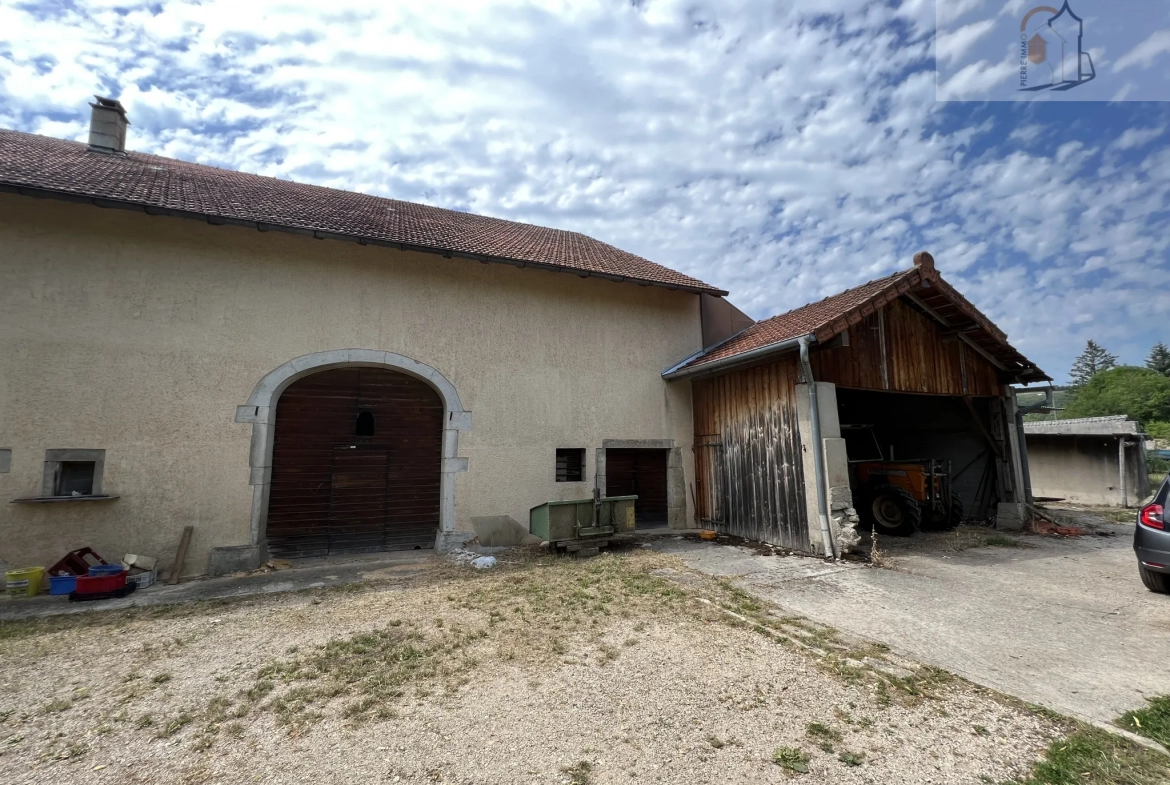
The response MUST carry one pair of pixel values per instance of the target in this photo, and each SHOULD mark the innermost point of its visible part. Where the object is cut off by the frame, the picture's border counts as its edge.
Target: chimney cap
(112, 104)
(923, 261)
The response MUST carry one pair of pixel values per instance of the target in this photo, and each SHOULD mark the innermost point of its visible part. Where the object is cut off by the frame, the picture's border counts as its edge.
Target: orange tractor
(901, 497)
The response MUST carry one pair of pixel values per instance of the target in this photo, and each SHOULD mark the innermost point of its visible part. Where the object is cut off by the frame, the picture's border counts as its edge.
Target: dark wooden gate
(356, 464)
(641, 473)
(748, 454)
(709, 481)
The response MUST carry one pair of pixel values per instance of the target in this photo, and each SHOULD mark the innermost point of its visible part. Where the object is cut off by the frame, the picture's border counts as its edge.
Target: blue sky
(781, 150)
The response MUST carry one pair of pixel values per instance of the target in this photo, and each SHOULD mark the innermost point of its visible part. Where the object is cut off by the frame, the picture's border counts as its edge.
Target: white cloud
(1137, 137)
(783, 151)
(951, 47)
(1146, 52)
(1026, 134)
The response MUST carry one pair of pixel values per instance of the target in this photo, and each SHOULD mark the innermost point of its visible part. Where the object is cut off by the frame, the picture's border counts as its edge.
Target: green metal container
(573, 520)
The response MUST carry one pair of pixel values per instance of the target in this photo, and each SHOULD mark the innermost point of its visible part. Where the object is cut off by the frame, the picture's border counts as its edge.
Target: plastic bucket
(104, 570)
(26, 582)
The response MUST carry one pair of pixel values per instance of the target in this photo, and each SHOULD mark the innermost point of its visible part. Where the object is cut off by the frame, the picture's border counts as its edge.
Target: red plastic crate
(103, 583)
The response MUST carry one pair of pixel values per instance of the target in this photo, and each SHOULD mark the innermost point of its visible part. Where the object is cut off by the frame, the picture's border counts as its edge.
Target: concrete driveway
(1061, 622)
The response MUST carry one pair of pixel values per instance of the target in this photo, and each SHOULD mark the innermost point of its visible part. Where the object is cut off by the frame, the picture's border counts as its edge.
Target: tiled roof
(806, 320)
(39, 164)
(832, 315)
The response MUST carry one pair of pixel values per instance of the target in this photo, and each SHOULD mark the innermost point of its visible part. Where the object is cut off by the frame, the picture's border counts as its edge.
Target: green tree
(1138, 393)
(1159, 359)
(1092, 361)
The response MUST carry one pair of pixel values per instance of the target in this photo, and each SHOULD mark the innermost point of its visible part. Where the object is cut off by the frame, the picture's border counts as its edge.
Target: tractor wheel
(958, 514)
(893, 511)
(944, 520)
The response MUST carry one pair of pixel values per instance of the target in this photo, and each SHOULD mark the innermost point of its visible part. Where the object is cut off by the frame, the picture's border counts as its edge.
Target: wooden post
(1121, 470)
(181, 556)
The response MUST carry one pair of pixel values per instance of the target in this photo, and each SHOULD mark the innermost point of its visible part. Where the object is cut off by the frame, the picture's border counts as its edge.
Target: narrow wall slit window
(365, 424)
(571, 464)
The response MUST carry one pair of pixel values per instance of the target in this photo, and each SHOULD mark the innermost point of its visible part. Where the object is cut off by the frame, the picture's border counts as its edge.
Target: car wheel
(893, 511)
(1155, 581)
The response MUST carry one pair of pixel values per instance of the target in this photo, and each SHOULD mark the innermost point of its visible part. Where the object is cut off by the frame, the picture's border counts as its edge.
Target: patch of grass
(980, 730)
(1000, 541)
(1089, 756)
(820, 730)
(791, 758)
(175, 724)
(56, 706)
(580, 773)
(260, 689)
(852, 758)
(217, 708)
(1153, 721)
(160, 678)
(715, 742)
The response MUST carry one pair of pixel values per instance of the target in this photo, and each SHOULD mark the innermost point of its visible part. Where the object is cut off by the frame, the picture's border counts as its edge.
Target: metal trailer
(583, 524)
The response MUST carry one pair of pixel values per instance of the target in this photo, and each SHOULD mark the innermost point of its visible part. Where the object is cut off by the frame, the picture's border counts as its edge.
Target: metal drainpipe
(818, 449)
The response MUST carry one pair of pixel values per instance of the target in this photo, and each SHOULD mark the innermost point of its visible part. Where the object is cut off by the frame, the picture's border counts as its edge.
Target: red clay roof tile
(28, 161)
(827, 317)
(806, 320)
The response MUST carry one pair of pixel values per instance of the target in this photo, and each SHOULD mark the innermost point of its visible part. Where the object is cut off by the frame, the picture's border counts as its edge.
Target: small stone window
(73, 473)
(365, 424)
(570, 464)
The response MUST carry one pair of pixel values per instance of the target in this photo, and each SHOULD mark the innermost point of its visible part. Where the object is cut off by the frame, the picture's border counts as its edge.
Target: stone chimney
(107, 127)
(923, 261)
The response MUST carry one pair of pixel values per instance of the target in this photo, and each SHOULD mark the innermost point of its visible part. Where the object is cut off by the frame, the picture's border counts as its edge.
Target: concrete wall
(1085, 469)
(140, 336)
(843, 517)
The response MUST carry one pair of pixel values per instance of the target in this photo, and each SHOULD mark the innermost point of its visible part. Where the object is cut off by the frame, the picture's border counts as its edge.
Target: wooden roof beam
(962, 336)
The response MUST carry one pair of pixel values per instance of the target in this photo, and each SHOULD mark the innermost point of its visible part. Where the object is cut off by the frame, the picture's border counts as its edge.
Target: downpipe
(818, 449)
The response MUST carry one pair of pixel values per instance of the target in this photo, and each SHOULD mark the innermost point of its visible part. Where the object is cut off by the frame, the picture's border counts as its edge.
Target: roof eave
(734, 360)
(221, 220)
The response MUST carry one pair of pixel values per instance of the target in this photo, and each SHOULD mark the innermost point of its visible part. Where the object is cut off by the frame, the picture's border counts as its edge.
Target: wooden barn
(900, 377)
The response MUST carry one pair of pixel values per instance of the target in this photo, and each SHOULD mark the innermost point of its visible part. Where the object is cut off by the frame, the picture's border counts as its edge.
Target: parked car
(1151, 541)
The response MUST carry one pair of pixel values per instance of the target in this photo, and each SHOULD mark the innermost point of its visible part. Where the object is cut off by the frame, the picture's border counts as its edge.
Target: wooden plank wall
(918, 357)
(748, 455)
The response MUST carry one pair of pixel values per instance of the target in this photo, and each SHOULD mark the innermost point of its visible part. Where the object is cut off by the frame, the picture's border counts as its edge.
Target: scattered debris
(484, 562)
(1048, 527)
(76, 563)
(462, 556)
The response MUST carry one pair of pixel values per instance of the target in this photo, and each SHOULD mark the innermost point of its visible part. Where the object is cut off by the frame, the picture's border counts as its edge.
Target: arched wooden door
(356, 462)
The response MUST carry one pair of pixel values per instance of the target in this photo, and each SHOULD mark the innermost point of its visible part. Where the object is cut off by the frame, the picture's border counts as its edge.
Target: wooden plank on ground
(181, 556)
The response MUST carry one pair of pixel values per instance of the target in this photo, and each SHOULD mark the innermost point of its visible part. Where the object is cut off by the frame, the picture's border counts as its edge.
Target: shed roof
(43, 166)
(1115, 425)
(822, 320)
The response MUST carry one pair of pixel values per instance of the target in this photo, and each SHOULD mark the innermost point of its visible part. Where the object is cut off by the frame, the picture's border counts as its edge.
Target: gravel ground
(545, 670)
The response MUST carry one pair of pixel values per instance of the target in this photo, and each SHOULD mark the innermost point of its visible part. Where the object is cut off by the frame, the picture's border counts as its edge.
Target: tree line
(1100, 387)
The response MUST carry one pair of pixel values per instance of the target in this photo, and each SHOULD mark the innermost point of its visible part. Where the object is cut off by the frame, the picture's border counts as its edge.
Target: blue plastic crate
(62, 584)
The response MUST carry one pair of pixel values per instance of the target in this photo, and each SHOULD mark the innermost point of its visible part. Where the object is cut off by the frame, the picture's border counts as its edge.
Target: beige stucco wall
(140, 335)
(1085, 469)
